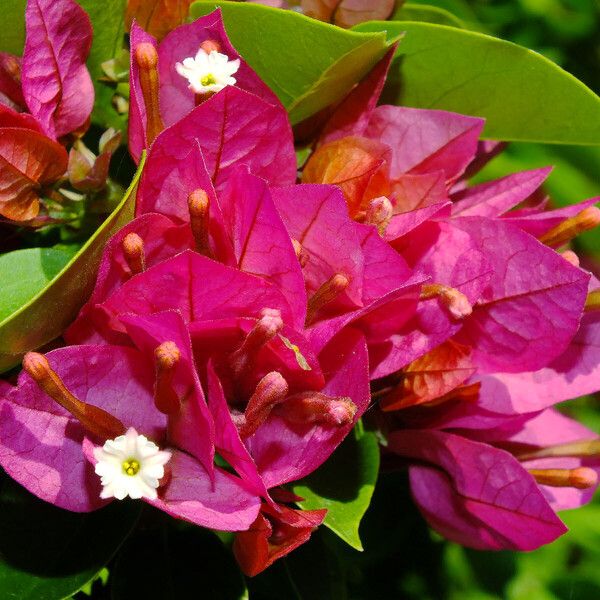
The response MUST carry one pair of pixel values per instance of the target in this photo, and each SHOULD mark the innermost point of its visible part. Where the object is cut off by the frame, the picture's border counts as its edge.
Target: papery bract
(57, 469)
(476, 494)
(28, 161)
(174, 98)
(57, 87)
(525, 317)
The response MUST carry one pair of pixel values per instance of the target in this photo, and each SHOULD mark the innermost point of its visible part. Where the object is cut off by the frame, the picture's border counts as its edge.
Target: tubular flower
(231, 369)
(130, 465)
(208, 71)
(168, 79)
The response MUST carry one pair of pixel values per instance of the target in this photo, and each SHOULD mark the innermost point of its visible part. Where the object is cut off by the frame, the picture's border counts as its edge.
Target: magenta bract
(56, 84)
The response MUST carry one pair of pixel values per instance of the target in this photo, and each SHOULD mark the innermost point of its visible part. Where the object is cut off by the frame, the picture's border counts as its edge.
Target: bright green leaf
(25, 272)
(13, 26)
(108, 22)
(50, 311)
(308, 64)
(461, 8)
(344, 486)
(176, 563)
(428, 14)
(47, 553)
(523, 95)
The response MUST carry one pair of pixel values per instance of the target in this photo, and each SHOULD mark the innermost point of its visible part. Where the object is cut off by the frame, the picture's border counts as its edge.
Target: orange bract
(157, 17)
(28, 161)
(347, 13)
(431, 376)
(357, 165)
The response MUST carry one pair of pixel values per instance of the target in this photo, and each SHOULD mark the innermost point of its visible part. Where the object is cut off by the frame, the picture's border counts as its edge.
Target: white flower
(208, 72)
(130, 465)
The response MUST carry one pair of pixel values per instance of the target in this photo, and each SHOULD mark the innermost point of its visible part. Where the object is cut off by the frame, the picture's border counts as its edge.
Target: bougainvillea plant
(304, 286)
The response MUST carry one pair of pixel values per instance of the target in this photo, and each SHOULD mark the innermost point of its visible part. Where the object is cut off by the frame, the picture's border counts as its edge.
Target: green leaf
(48, 553)
(46, 315)
(177, 562)
(523, 95)
(25, 272)
(13, 26)
(108, 19)
(344, 486)
(428, 14)
(461, 8)
(308, 64)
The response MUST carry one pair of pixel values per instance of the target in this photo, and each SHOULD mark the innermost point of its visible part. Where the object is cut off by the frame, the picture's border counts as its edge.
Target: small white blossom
(208, 72)
(130, 465)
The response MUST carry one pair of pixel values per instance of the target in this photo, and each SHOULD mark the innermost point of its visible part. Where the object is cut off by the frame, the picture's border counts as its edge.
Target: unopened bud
(315, 407)
(379, 213)
(579, 449)
(265, 329)
(581, 478)
(210, 46)
(570, 257)
(592, 301)
(198, 205)
(587, 219)
(133, 251)
(96, 420)
(166, 357)
(271, 390)
(146, 58)
(455, 301)
(328, 292)
(301, 253)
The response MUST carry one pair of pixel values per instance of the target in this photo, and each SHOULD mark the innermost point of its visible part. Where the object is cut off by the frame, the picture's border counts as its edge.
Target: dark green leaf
(176, 563)
(344, 486)
(47, 553)
(522, 94)
(52, 309)
(25, 272)
(308, 64)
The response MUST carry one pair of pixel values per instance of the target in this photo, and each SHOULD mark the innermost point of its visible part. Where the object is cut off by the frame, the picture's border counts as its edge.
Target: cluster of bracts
(244, 322)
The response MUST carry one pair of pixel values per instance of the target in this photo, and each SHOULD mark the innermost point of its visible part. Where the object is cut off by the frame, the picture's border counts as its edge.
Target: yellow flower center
(131, 467)
(208, 80)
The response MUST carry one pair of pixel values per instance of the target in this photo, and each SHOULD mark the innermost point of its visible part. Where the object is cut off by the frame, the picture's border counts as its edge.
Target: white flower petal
(116, 459)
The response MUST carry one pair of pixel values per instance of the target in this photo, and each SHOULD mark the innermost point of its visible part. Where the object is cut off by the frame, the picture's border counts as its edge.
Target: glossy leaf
(185, 563)
(47, 314)
(523, 95)
(48, 553)
(344, 486)
(25, 272)
(308, 64)
(428, 14)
